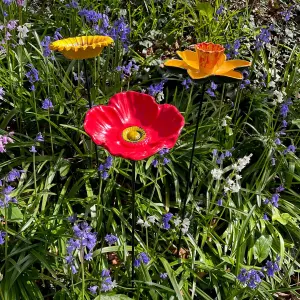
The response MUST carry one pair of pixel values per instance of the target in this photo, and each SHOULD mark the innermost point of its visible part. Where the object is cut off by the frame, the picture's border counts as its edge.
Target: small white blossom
(160, 96)
(279, 97)
(185, 225)
(242, 162)
(139, 222)
(224, 121)
(177, 222)
(152, 219)
(216, 173)
(146, 224)
(22, 32)
(238, 177)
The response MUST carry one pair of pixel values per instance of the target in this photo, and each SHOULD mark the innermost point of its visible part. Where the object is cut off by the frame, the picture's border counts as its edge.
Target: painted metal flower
(81, 47)
(132, 125)
(208, 60)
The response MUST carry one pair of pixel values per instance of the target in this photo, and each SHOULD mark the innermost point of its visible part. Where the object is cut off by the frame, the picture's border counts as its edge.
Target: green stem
(50, 129)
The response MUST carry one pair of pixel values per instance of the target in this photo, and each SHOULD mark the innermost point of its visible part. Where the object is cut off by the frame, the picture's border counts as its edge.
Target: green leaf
(205, 9)
(114, 297)
(281, 218)
(14, 214)
(262, 247)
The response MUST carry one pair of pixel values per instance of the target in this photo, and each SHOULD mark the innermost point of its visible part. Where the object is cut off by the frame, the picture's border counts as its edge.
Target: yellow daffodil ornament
(208, 60)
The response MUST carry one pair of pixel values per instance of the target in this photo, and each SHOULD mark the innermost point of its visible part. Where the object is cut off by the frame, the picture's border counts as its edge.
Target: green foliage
(227, 230)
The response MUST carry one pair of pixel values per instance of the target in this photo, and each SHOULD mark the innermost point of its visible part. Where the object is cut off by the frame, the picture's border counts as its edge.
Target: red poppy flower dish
(132, 125)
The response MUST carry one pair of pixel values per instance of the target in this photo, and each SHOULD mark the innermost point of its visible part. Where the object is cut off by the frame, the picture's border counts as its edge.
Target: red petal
(135, 108)
(101, 123)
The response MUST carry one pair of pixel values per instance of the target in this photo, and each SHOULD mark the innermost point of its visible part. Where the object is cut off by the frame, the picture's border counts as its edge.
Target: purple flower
(80, 77)
(284, 123)
(166, 219)
(12, 24)
(103, 168)
(154, 89)
(277, 141)
(107, 285)
(7, 2)
(290, 148)
(213, 86)
(186, 83)
(144, 258)
(72, 219)
(287, 14)
(220, 202)
(155, 163)
(263, 38)
(265, 217)
(233, 50)
(73, 269)
(2, 93)
(90, 16)
(39, 137)
(93, 289)
(137, 263)
(165, 161)
(13, 175)
(108, 163)
(72, 4)
(163, 275)
(272, 267)
(120, 30)
(33, 76)
(228, 153)
(47, 104)
(220, 10)
(111, 239)
(2, 237)
(210, 92)
(284, 109)
(57, 35)
(88, 256)
(45, 43)
(32, 149)
(280, 189)
(69, 259)
(105, 273)
(250, 278)
(215, 153)
(274, 200)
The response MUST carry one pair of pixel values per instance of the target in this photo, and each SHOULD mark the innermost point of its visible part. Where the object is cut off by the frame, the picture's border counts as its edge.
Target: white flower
(23, 30)
(242, 162)
(139, 222)
(185, 225)
(160, 96)
(146, 224)
(237, 177)
(152, 219)
(279, 95)
(232, 186)
(216, 173)
(177, 222)
(224, 121)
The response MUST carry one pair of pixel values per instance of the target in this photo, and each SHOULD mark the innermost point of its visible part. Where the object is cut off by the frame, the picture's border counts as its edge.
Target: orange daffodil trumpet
(208, 60)
(81, 47)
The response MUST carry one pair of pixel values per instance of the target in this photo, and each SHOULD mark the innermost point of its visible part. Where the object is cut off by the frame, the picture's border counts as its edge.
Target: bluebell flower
(7, 2)
(210, 92)
(80, 77)
(7, 199)
(220, 202)
(220, 10)
(93, 289)
(13, 175)
(39, 137)
(215, 152)
(103, 168)
(163, 275)
(166, 219)
(33, 76)
(290, 148)
(287, 14)
(90, 16)
(105, 273)
(2, 237)
(72, 4)
(271, 267)
(265, 217)
(111, 239)
(2, 93)
(154, 89)
(263, 38)
(88, 256)
(5, 14)
(277, 141)
(284, 123)
(57, 35)
(120, 30)
(273, 161)
(155, 163)
(47, 104)
(274, 200)
(72, 219)
(233, 50)
(284, 109)
(144, 258)
(250, 278)
(136, 263)
(12, 24)
(166, 161)
(280, 189)
(73, 269)
(45, 43)
(228, 153)
(32, 149)
(186, 83)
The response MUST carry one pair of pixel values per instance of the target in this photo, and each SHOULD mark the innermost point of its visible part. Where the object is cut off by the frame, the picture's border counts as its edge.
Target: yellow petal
(197, 74)
(176, 63)
(232, 74)
(190, 58)
(232, 64)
